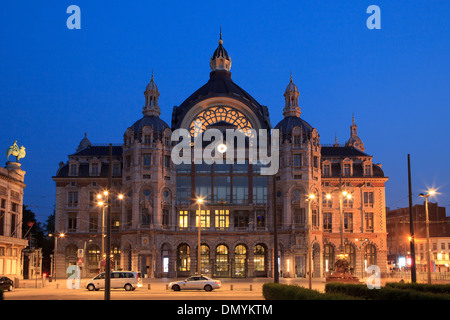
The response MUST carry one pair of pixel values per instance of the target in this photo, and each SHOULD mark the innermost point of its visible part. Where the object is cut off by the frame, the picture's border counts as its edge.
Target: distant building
(398, 228)
(154, 230)
(11, 204)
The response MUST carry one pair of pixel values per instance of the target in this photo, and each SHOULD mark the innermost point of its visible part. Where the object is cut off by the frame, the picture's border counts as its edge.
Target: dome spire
(151, 107)
(220, 59)
(291, 94)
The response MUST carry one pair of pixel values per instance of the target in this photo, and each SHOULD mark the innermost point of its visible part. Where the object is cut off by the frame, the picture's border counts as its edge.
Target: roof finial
(152, 75)
(291, 75)
(220, 37)
(353, 118)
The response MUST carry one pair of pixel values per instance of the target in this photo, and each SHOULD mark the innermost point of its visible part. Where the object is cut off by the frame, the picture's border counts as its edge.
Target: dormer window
(147, 139)
(347, 169)
(95, 169)
(297, 139)
(367, 169)
(73, 169)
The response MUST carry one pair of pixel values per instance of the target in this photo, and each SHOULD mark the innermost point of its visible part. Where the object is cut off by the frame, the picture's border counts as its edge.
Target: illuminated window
(215, 115)
(204, 218)
(183, 219)
(222, 219)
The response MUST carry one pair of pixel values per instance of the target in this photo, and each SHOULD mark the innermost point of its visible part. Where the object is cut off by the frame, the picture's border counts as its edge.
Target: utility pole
(276, 276)
(411, 227)
(108, 231)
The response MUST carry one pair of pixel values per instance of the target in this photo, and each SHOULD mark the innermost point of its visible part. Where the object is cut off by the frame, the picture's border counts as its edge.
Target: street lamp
(199, 263)
(56, 236)
(427, 222)
(311, 197)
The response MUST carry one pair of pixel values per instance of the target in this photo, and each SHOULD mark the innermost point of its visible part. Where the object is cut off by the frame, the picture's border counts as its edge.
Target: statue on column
(15, 151)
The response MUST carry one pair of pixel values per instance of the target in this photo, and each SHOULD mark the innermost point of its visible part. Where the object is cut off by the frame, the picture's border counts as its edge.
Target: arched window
(184, 258)
(205, 258)
(370, 255)
(260, 258)
(328, 257)
(240, 261)
(71, 251)
(222, 260)
(351, 255)
(215, 115)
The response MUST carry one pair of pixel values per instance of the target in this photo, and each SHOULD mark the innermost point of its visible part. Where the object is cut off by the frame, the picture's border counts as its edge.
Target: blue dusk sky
(57, 83)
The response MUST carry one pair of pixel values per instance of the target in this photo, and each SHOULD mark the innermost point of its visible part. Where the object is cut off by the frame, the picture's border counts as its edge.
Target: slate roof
(220, 85)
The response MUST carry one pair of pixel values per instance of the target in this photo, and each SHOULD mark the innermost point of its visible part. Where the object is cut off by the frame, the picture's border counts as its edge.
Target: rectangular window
(348, 203)
(13, 231)
(368, 216)
(93, 222)
(222, 219)
(326, 203)
(240, 190)
(348, 221)
(260, 219)
(368, 199)
(241, 219)
(167, 161)
(129, 218)
(147, 139)
(94, 169)
(147, 159)
(183, 219)
(146, 218)
(72, 199)
(183, 189)
(115, 222)
(367, 169)
(347, 171)
(327, 221)
(259, 189)
(326, 170)
(297, 160)
(116, 169)
(165, 218)
(72, 222)
(299, 217)
(73, 169)
(205, 216)
(297, 139)
(314, 219)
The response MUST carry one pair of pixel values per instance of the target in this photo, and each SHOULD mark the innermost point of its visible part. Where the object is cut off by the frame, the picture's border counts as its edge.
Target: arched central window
(216, 115)
(222, 260)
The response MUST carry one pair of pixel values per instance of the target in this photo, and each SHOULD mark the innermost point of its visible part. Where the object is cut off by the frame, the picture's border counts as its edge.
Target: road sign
(80, 261)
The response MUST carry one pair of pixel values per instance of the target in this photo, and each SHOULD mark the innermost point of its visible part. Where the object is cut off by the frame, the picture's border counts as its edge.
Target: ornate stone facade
(155, 227)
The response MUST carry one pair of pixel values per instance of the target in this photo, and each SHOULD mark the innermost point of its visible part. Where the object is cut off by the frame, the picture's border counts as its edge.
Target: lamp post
(61, 235)
(427, 223)
(342, 195)
(311, 197)
(199, 254)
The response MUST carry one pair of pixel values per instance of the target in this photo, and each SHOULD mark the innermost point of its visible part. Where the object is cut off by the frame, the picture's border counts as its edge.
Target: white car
(196, 283)
(129, 280)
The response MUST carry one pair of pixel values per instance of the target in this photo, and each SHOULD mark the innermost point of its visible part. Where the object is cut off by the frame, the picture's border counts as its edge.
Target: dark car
(6, 283)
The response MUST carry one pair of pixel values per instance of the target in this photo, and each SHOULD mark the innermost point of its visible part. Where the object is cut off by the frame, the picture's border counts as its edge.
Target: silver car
(196, 283)
(129, 280)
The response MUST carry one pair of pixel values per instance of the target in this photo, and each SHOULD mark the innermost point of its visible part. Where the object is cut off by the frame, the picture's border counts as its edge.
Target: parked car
(129, 280)
(196, 283)
(6, 283)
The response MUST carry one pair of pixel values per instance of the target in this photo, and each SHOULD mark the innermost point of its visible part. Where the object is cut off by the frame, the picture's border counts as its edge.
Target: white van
(129, 280)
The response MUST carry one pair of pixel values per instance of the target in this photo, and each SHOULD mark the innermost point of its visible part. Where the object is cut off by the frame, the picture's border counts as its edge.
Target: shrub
(422, 287)
(385, 293)
(278, 291)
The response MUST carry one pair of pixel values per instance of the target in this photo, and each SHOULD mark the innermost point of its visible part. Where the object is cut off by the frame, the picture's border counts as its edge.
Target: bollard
(167, 286)
(231, 287)
(251, 287)
(149, 287)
